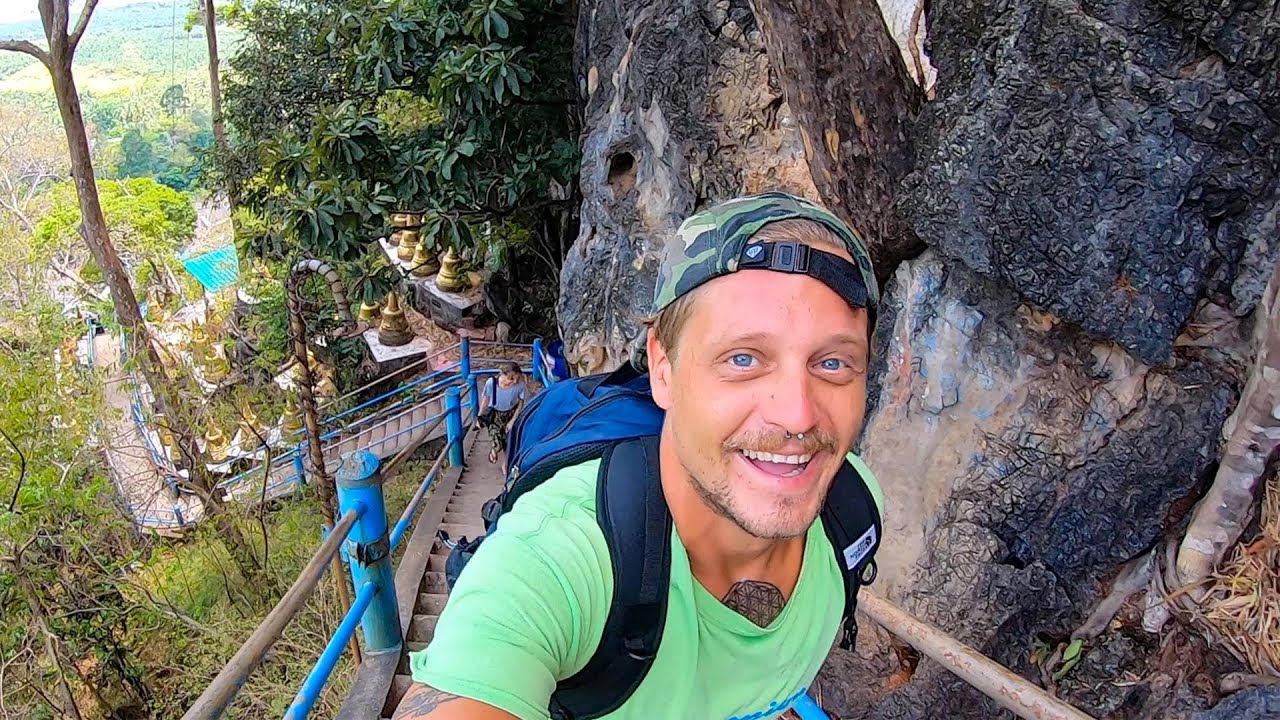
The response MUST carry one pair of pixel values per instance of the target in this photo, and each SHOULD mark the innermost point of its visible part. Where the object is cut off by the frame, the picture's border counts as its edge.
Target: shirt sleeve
(518, 619)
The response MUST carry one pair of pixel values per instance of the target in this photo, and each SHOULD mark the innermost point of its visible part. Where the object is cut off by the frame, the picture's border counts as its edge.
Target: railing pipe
(473, 400)
(807, 709)
(215, 698)
(410, 510)
(453, 425)
(464, 360)
(537, 361)
(299, 467)
(359, 485)
(311, 688)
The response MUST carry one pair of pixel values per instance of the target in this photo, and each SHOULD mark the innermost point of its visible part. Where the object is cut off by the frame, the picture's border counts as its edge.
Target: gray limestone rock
(681, 111)
(1112, 160)
(1023, 462)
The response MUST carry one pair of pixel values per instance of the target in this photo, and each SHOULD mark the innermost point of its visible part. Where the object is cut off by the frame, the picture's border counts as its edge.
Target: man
(500, 401)
(762, 376)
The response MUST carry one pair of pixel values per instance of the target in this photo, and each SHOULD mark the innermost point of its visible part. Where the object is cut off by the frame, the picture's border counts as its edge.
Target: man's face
(763, 353)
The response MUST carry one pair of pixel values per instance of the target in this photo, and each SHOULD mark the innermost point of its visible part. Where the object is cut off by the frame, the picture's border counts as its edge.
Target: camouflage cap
(711, 243)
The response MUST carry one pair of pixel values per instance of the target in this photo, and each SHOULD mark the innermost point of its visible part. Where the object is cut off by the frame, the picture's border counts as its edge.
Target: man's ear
(659, 371)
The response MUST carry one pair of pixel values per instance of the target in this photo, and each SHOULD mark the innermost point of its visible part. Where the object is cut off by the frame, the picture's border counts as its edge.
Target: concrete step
(422, 628)
(430, 603)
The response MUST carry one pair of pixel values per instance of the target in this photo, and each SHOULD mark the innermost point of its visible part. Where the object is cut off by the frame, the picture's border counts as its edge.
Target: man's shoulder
(869, 478)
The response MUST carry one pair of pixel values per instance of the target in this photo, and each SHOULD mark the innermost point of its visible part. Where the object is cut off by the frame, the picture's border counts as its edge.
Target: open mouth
(785, 466)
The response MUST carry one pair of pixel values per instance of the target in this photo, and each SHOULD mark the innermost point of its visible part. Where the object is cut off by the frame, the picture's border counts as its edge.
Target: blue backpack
(612, 417)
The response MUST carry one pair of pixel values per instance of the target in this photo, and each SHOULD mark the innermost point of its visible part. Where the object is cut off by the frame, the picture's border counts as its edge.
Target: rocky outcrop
(1097, 184)
(682, 110)
(1023, 462)
(1111, 160)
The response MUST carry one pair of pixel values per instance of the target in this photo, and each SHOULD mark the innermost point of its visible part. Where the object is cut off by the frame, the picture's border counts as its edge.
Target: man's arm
(423, 702)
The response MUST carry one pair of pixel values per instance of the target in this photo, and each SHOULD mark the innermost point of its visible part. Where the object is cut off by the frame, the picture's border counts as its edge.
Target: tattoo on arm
(420, 701)
(756, 600)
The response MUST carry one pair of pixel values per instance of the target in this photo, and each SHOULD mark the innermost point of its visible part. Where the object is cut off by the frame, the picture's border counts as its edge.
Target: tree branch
(82, 23)
(27, 47)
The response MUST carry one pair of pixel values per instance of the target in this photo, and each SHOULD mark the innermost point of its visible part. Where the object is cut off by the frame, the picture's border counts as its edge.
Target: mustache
(814, 441)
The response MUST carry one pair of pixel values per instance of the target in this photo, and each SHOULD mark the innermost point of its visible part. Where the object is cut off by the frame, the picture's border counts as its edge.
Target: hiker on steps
(500, 401)
(687, 543)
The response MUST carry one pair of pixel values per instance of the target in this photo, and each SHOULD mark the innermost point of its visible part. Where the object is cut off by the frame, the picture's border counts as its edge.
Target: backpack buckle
(637, 648)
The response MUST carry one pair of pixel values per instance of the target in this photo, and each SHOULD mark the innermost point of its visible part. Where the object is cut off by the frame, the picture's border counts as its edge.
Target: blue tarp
(216, 269)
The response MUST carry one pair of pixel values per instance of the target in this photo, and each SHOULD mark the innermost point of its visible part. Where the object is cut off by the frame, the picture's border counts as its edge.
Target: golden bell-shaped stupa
(394, 330)
(370, 312)
(216, 444)
(450, 278)
(425, 263)
(408, 245)
(249, 428)
(291, 420)
(167, 439)
(215, 365)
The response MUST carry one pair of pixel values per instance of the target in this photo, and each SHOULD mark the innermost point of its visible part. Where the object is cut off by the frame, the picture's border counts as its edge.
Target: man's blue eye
(832, 364)
(742, 360)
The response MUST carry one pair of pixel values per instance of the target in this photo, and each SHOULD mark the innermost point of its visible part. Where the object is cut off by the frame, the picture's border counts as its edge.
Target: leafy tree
(460, 109)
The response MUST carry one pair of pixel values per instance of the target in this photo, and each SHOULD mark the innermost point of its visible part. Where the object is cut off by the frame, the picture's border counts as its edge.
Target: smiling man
(767, 524)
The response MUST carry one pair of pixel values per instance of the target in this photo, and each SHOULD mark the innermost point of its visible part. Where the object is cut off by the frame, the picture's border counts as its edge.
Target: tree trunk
(854, 108)
(215, 85)
(50, 648)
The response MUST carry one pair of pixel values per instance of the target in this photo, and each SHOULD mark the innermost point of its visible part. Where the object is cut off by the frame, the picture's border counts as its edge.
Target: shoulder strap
(633, 514)
(852, 523)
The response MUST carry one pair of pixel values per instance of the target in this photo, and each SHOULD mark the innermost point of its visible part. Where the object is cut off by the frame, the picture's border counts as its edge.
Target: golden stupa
(451, 278)
(425, 262)
(216, 444)
(370, 312)
(394, 330)
(291, 419)
(408, 245)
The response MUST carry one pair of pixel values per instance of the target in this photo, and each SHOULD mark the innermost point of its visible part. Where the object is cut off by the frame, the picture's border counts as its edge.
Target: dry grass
(1242, 607)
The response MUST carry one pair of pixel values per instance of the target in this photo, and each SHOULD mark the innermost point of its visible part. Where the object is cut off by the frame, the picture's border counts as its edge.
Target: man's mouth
(786, 466)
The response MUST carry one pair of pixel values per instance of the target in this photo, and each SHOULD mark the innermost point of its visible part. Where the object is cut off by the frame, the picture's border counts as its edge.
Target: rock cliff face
(1093, 187)
(681, 109)
(1111, 160)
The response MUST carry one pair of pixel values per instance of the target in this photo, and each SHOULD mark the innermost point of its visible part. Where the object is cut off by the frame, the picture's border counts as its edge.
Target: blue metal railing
(369, 549)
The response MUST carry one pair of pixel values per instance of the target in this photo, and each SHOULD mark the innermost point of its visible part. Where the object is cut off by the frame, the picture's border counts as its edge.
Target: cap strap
(790, 256)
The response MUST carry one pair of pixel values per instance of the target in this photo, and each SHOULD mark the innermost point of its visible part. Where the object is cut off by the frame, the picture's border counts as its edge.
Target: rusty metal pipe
(1012, 692)
(325, 489)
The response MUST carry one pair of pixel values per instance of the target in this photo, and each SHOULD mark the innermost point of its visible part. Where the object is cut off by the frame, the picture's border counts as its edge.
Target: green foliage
(63, 532)
(457, 108)
(146, 219)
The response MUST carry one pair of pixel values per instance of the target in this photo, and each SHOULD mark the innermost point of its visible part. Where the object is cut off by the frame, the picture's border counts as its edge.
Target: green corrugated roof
(215, 270)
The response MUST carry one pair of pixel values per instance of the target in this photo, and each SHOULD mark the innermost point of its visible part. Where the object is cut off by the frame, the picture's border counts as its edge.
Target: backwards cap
(717, 241)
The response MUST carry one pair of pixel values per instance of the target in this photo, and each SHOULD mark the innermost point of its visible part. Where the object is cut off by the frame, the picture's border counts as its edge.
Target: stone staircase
(480, 481)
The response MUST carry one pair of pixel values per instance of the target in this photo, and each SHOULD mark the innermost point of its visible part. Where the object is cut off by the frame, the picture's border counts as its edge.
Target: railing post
(537, 362)
(300, 467)
(453, 425)
(360, 484)
(464, 364)
(474, 403)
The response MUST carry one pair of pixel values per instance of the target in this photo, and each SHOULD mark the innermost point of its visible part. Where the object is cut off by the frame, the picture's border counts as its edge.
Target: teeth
(775, 458)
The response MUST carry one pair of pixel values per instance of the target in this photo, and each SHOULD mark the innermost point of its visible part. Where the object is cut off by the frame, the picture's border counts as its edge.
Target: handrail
(319, 675)
(411, 510)
(384, 378)
(215, 698)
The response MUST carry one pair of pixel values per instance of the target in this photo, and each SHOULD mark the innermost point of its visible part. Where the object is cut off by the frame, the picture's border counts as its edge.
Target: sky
(16, 10)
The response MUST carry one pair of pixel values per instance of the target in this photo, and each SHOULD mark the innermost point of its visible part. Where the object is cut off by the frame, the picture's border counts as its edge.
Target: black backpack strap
(852, 523)
(633, 514)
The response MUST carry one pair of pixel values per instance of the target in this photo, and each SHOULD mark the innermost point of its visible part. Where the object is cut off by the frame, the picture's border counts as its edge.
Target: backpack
(613, 417)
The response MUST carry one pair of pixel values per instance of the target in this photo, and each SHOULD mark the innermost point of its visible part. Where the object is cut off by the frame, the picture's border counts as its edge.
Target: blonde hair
(669, 323)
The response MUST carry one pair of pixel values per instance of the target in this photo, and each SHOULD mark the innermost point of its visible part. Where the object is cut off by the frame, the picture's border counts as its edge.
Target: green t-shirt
(531, 606)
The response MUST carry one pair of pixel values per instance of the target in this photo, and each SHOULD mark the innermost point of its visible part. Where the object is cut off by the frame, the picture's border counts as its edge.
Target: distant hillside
(123, 47)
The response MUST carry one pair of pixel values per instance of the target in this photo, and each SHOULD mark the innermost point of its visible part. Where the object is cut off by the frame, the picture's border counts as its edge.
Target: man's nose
(790, 404)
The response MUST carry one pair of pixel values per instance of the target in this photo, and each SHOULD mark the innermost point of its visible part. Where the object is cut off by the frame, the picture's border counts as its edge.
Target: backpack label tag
(860, 548)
